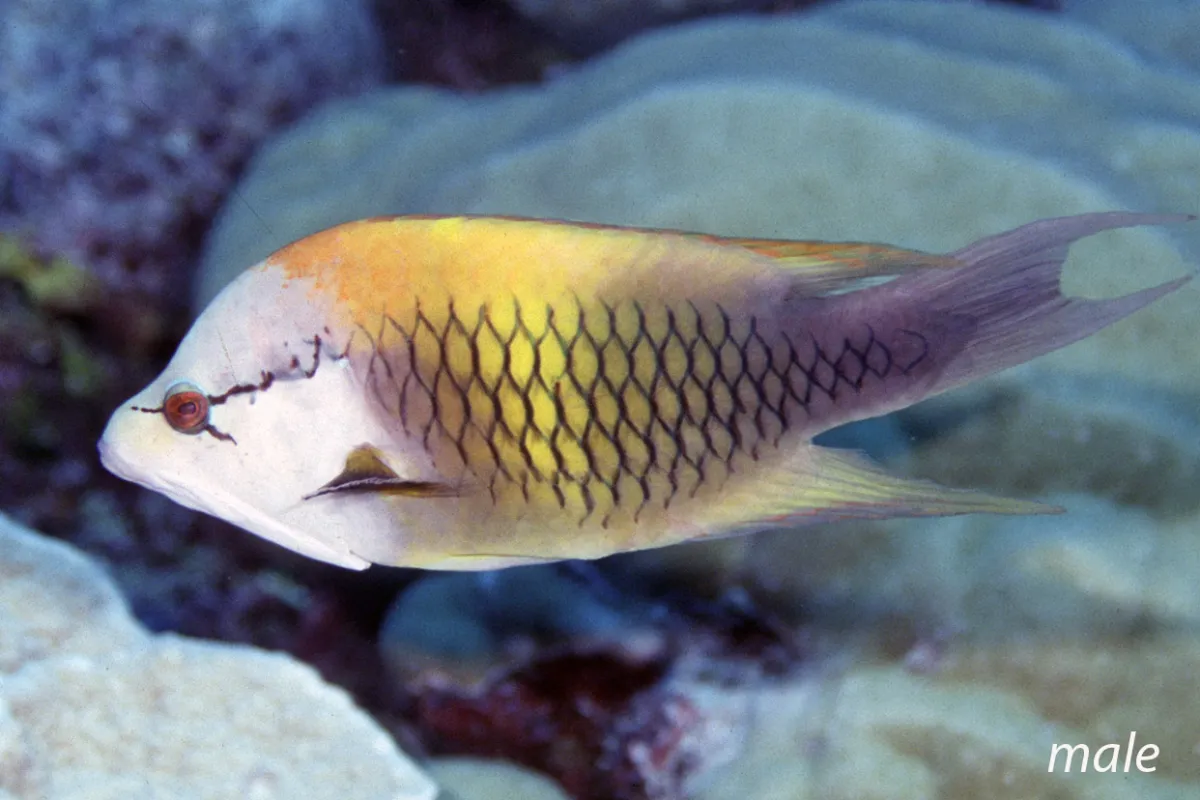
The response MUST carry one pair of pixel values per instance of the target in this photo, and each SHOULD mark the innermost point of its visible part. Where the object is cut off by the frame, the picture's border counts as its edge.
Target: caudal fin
(1009, 289)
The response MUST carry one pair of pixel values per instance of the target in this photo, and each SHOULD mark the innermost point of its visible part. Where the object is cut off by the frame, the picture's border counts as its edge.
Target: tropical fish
(478, 392)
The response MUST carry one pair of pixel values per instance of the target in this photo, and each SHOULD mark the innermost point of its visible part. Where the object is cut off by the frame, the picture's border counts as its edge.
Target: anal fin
(818, 484)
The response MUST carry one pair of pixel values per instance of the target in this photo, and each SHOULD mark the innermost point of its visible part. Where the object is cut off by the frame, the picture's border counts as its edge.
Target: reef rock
(982, 727)
(1159, 29)
(93, 706)
(124, 122)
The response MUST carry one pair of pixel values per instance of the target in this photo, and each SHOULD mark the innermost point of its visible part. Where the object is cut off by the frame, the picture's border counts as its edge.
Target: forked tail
(1009, 288)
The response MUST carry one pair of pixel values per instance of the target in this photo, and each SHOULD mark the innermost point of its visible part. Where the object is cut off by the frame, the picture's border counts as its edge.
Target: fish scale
(688, 394)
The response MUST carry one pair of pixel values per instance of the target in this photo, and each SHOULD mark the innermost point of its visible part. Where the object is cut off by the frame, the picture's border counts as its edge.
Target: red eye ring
(186, 408)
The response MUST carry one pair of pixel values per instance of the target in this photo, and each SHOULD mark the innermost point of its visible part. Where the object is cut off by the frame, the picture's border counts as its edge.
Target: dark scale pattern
(609, 406)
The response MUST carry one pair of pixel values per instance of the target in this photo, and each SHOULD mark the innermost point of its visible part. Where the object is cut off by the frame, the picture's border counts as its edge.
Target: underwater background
(150, 151)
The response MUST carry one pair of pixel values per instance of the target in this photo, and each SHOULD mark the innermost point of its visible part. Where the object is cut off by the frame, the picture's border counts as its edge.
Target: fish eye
(185, 407)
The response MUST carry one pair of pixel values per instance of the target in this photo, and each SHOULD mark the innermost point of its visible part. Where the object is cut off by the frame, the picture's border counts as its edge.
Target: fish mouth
(114, 460)
(109, 459)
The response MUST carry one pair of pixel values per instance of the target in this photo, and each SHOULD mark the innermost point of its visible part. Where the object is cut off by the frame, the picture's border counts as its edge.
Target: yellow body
(468, 393)
(584, 389)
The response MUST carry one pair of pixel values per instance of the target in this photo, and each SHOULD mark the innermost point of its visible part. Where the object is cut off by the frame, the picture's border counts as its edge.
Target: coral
(982, 727)
(1162, 29)
(93, 706)
(56, 603)
(124, 123)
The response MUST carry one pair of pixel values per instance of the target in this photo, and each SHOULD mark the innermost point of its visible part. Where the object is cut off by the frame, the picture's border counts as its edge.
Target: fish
(478, 392)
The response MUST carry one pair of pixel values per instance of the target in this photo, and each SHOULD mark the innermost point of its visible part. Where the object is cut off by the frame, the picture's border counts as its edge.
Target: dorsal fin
(366, 471)
(823, 266)
(827, 266)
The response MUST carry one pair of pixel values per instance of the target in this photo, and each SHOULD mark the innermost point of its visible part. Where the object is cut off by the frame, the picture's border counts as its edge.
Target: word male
(1107, 758)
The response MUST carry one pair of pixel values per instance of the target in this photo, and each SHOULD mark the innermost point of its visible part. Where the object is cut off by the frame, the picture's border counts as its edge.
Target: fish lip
(112, 461)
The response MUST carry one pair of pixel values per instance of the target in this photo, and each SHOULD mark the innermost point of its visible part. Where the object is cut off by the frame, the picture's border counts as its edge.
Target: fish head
(256, 409)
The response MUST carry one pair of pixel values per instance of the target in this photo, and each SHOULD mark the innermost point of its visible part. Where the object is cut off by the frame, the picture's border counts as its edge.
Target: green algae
(55, 284)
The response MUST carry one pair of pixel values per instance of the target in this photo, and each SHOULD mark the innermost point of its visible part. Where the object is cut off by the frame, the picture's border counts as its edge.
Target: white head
(257, 409)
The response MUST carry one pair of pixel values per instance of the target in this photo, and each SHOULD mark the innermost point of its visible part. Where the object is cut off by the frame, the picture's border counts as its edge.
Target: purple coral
(125, 122)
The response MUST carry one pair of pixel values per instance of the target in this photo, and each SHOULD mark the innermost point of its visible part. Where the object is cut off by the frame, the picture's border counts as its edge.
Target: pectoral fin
(366, 471)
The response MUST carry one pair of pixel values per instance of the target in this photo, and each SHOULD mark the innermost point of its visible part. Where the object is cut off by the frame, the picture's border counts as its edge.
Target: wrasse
(478, 392)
